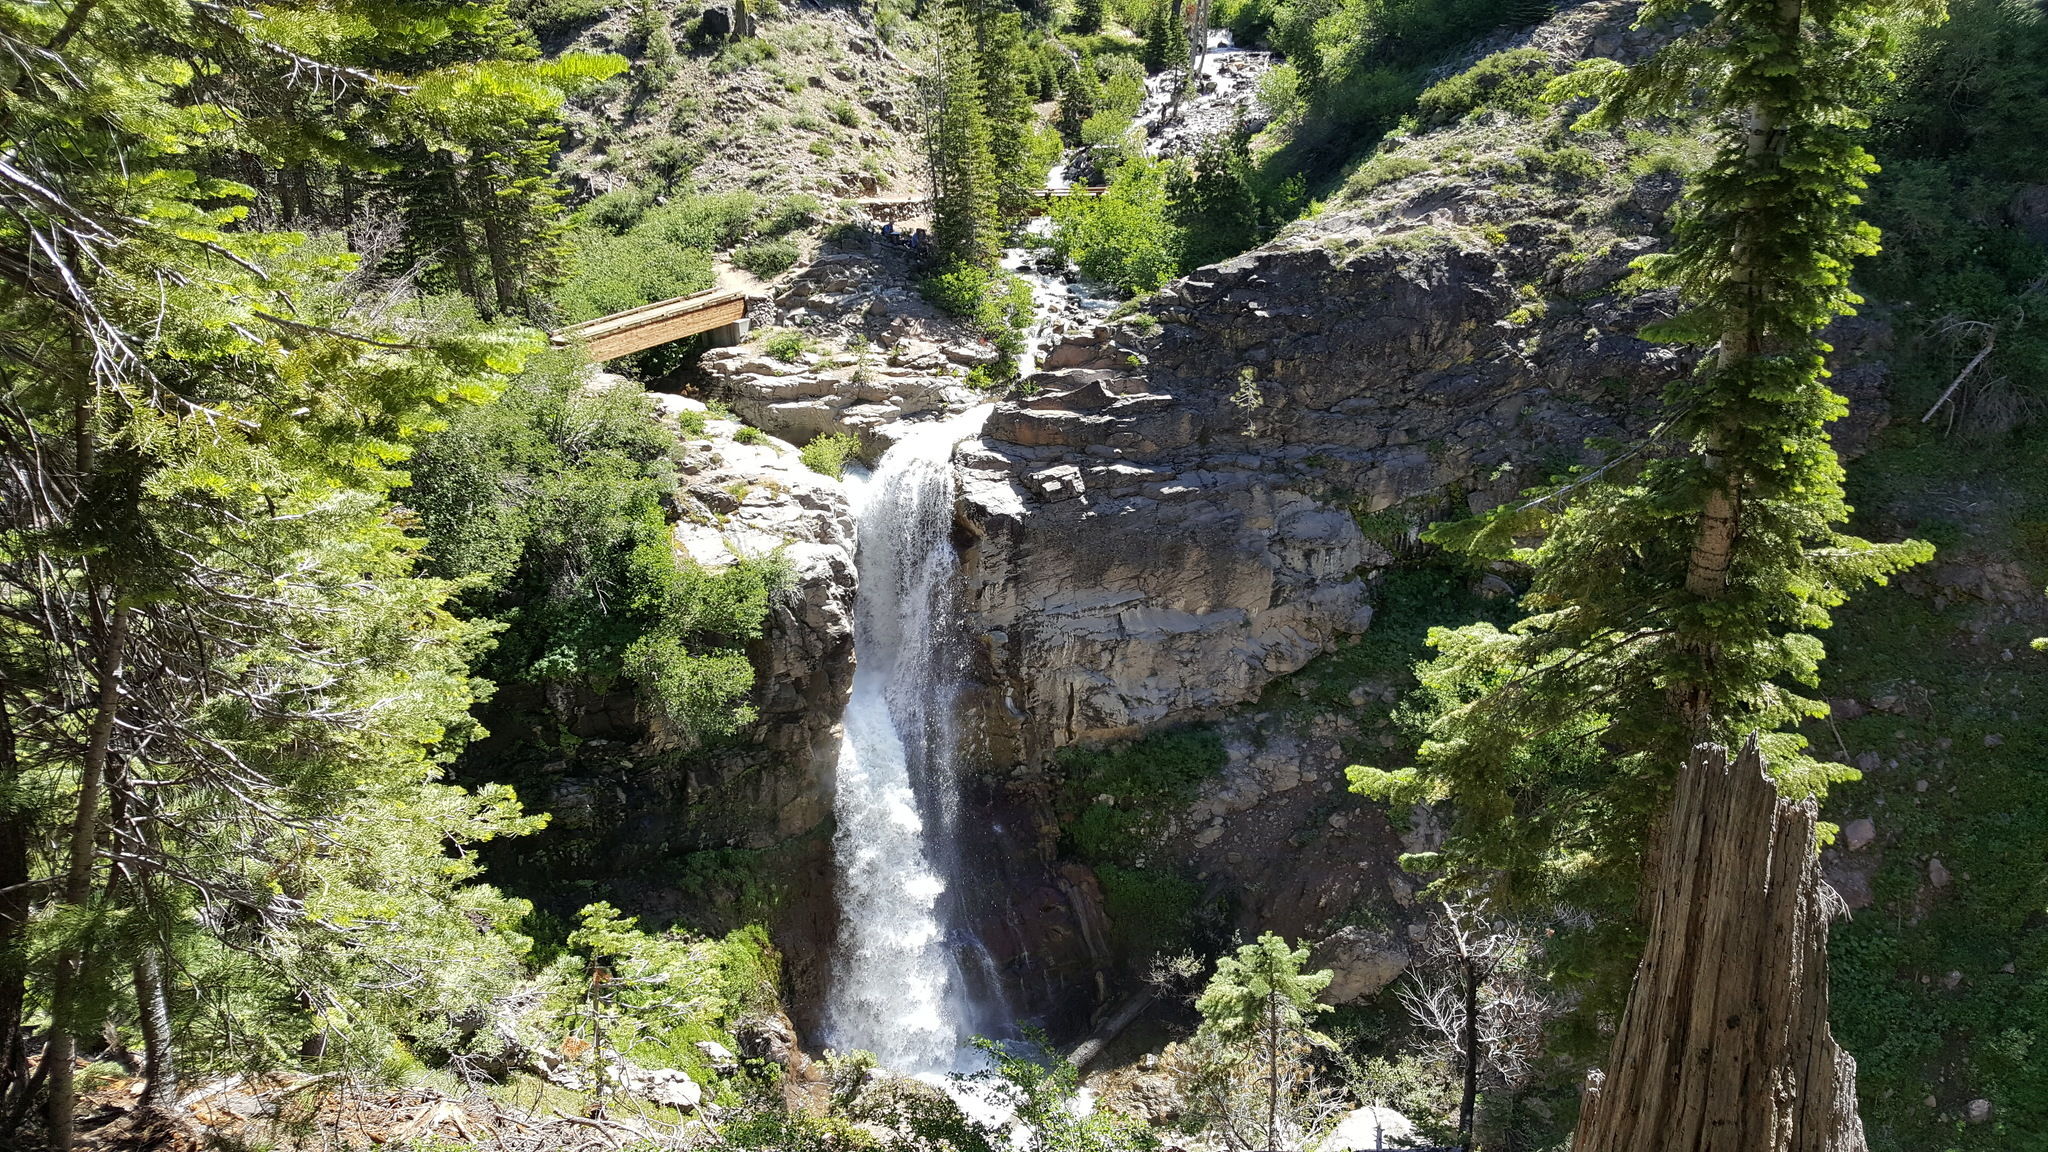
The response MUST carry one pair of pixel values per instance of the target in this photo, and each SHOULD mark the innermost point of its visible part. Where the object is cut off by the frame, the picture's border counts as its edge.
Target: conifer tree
(1166, 38)
(1088, 17)
(1077, 97)
(1006, 105)
(1261, 1000)
(965, 227)
(1678, 603)
(215, 662)
(1213, 202)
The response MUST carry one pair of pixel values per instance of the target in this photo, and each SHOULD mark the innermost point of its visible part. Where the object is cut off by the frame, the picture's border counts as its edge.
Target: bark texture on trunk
(1725, 1045)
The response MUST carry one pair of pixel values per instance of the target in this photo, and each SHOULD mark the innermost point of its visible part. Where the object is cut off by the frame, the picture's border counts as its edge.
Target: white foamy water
(897, 988)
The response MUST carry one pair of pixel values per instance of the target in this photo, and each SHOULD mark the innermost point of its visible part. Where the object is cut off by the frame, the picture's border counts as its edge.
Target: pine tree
(1088, 17)
(1678, 603)
(1213, 202)
(965, 227)
(215, 661)
(1006, 105)
(1261, 1001)
(1166, 38)
(1077, 98)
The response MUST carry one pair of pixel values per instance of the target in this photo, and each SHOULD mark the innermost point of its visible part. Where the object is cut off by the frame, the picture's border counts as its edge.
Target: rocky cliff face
(1197, 499)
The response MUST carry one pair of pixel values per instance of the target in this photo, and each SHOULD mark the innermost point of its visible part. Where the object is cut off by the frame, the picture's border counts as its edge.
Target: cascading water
(899, 989)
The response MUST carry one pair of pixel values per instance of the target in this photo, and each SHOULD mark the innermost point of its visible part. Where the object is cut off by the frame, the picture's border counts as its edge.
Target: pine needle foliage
(1677, 593)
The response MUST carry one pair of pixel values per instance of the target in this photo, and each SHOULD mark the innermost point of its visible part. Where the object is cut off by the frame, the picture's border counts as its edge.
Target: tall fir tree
(965, 225)
(1006, 103)
(1679, 602)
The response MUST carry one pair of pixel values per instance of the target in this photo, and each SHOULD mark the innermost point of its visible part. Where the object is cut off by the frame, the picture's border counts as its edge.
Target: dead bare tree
(1478, 1000)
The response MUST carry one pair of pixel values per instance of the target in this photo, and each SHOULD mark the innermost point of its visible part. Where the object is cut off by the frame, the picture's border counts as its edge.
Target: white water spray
(897, 988)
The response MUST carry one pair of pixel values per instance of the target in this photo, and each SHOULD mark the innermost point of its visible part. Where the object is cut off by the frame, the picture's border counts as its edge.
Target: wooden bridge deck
(638, 329)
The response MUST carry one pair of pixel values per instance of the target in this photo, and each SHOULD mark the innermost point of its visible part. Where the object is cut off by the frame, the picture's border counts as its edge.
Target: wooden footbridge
(638, 329)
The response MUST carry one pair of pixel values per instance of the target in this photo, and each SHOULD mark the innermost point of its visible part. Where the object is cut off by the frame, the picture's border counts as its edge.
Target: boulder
(1369, 1129)
(1858, 834)
(1362, 963)
(666, 1086)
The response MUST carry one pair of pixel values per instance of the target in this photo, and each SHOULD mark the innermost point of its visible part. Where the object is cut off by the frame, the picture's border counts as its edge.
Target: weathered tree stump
(1724, 1045)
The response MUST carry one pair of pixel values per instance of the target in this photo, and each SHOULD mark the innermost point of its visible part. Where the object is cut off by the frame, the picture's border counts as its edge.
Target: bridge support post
(728, 335)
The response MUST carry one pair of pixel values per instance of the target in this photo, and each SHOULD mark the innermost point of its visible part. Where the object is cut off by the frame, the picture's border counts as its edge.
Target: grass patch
(786, 344)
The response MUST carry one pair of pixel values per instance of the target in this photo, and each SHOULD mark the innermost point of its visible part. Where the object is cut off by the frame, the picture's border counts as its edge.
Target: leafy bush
(554, 17)
(786, 344)
(1569, 166)
(843, 111)
(790, 213)
(996, 302)
(828, 453)
(1511, 82)
(608, 273)
(767, 258)
(748, 434)
(1124, 237)
(1149, 910)
(618, 210)
(663, 992)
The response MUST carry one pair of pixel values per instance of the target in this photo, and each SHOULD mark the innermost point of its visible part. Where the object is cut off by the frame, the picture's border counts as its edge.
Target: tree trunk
(1720, 523)
(1272, 1070)
(497, 246)
(160, 1066)
(1468, 1102)
(461, 256)
(1724, 1045)
(14, 909)
(62, 1049)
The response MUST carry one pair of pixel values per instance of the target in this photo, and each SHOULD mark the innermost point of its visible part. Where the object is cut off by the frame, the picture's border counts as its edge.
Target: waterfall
(898, 987)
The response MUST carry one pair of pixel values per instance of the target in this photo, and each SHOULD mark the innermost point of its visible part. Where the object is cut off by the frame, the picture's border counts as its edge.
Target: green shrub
(997, 303)
(1381, 170)
(1511, 82)
(822, 149)
(738, 55)
(552, 17)
(618, 210)
(1149, 910)
(791, 213)
(786, 344)
(748, 434)
(843, 111)
(1146, 781)
(1570, 166)
(691, 423)
(608, 273)
(767, 258)
(828, 452)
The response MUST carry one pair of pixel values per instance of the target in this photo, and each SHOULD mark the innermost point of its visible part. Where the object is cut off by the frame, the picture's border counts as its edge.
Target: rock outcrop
(882, 353)
(1725, 1045)
(1202, 499)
